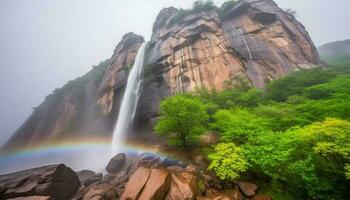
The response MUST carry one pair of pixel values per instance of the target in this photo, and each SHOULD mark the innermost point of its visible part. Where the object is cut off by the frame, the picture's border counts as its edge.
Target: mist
(44, 44)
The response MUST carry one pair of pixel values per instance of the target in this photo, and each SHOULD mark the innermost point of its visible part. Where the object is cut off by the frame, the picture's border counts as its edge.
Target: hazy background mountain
(336, 54)
(43, 44)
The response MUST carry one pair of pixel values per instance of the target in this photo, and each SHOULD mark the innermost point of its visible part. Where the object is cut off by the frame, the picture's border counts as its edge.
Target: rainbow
(91, 153)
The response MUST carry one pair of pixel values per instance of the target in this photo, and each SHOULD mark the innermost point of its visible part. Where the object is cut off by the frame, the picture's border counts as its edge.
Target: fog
(43, 44)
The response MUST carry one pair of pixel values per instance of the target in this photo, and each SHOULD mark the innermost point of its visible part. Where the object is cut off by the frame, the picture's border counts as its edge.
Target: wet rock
(248, 189)
(157, 185)
(116, 163)
(103, 191)
(183, 186)
(88, 177)
(216, 196)
(261, 197)
(136, 183)
(33, 198)
(56, 181)
(233, 194)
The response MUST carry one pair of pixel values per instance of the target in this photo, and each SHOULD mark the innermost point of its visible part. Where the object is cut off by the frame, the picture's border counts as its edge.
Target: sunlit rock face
(116, 76)
(256, 41)
(87, 105)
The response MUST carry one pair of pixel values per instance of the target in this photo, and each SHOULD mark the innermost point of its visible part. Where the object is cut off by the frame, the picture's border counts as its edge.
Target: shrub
(227, 161)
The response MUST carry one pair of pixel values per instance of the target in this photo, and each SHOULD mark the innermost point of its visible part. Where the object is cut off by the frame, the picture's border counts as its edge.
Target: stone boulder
(248, 189)
(136, 183)
(183, 186)
(56, 181)
(102, 191)
(147, 184)
(116, 163)
(88, 177)
(157, 185)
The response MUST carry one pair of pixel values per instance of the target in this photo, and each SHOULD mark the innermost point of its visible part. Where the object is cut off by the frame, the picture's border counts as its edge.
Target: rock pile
(143, 177)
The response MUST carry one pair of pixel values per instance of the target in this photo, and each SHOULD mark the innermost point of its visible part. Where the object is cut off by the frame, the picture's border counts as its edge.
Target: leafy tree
(237, 125)
(227, 161)
(182, 120)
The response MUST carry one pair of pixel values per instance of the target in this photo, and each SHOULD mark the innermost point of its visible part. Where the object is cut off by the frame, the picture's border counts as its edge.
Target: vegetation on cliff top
(295, 134)
(198, 7)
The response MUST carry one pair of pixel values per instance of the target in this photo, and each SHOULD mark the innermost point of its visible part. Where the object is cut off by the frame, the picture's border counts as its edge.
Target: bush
(227, 161)
(313, 159)
(237, 125)
(182, 120)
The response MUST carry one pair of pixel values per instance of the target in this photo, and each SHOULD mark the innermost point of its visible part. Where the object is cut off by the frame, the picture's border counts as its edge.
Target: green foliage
(294, 135)
(339, 63)
(338, 86)
(313, 158)
(182, 120)
(198, 6)
(202, 6)
(237, 125)
(295, 83)
(227, 161)
(280, 117)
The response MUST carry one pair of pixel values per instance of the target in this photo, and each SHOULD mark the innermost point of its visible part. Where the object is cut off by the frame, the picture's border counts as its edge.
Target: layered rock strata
(255, 42)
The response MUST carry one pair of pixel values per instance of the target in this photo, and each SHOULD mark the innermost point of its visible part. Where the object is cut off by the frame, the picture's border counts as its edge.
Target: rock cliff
(253, 41)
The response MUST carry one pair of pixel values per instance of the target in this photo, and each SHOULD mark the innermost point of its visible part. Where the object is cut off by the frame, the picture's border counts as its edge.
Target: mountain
(333, 49)
(210, 47)
(336, 54)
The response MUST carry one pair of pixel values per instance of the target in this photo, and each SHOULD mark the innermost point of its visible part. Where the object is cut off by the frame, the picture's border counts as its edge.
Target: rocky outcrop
(116, 163)
(256, 41)
(54, 181)
(141, 177)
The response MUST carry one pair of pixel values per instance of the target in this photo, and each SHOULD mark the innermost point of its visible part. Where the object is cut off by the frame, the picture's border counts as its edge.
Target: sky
(45, 43)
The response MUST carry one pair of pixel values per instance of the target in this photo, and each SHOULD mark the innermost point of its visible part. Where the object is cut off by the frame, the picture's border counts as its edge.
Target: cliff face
(255, 41)
(85, 106)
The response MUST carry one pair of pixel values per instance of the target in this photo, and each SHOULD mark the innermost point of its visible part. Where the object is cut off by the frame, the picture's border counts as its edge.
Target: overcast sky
(45, 43)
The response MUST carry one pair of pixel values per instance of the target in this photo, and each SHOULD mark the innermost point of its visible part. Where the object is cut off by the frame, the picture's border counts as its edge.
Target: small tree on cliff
(182, 120)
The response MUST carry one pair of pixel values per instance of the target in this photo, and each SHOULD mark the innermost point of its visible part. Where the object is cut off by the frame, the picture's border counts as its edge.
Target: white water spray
(129, 102)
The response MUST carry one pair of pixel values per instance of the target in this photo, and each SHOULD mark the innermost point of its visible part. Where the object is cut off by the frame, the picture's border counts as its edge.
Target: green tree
(182, 120)
(237, 125)
(227, 161)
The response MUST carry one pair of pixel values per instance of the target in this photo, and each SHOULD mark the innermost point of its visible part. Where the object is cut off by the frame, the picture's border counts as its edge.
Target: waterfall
(129, 103)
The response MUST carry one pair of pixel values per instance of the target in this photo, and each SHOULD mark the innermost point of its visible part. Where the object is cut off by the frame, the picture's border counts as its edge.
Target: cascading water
(129, 102)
